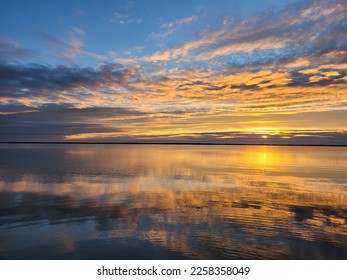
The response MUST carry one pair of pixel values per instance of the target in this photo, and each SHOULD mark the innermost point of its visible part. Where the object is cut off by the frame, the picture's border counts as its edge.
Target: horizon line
(172, 143)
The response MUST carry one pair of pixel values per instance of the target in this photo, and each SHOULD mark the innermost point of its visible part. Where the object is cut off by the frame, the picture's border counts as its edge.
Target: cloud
(123, 19)
(69, 48)
(280, 63)
(179, 21)
(310, 26)
(54, 123)
(115, 83)
(10, 50)
(171, 27)
(35, 79)
(298, 137)
(14, 107)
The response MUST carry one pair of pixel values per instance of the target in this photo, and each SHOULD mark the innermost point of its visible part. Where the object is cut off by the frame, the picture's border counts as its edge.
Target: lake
(76, 201)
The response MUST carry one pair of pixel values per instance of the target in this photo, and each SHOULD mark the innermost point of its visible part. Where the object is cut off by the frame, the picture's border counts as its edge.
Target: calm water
(172, 202)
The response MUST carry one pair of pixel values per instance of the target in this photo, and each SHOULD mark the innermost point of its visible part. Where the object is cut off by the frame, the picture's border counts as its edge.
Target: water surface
(172, 202)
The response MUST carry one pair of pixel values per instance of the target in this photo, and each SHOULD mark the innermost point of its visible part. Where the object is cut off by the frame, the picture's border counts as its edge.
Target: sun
(264, 136)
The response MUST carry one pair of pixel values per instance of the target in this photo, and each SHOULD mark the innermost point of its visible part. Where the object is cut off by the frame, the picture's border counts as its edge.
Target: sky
(222, 71)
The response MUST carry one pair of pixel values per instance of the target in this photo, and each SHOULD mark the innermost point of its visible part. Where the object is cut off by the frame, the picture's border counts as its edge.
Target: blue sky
(201, 71)
(108, 28)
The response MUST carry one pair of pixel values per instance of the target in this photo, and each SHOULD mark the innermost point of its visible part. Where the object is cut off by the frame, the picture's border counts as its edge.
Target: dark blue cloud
(33, 79)
(10, 51)
(52, 122)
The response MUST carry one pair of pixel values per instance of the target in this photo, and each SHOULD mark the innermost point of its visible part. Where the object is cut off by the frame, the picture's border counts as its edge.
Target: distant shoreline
(173, 143)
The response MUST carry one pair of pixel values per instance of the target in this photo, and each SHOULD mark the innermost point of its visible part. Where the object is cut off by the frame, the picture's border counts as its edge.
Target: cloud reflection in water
(169, 202)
